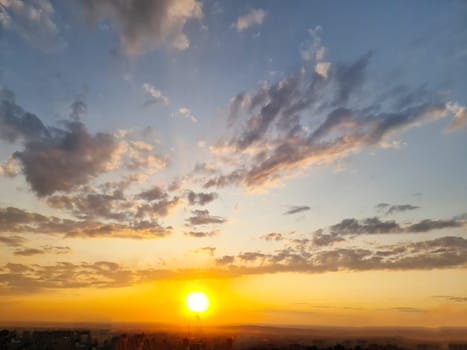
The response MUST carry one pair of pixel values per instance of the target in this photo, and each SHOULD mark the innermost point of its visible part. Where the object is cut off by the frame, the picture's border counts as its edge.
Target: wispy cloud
(389, 209)
(297, 209)
(203, 217)
(271, 137)
(156, 96)
(144, 26)
(252, 18)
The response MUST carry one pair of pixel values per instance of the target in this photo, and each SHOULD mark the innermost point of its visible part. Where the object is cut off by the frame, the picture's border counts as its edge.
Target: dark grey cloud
(273, 236)
(14, 220)
(146, 24)
(69, 158)
(54, 159)
(430, 225)
(12, 241)
(225, 260)
(92, 205)
(154, 193)
(321, 239)
(375, 225)
(201, 198)
(200, 234)
(251, 256)
(15, 123)
(29, 252)
(202, 217)
(444, 252)
(389, 209)
(110, 201)
(297, 209)
(365, 226)
(158, 208)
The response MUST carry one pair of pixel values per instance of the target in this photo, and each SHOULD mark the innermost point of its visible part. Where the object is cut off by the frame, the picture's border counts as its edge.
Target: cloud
(14, 220)
(28, 279)
(430, 225)
(203, 250)
(34, 22)
(322, 68)
(28, 252)
(56, 249)
(444, 252)
(200, 234)
(186, 113)
(55, 159)
(320, 239)
(155, 94)
(312, 50)
(110, 202)
(201, 198)
(297, 209)
(148, 24)
(9, 168)
(273, 236)
(389, 209)
(78, 108)
(305, 120)
(69, 157)
(12, 241)
(202, 217)
(375, 225)
(225, 260)
(365, 226)
(460, 117)
(140, 155)
(154, 193)
(455, 299)
(252, 18)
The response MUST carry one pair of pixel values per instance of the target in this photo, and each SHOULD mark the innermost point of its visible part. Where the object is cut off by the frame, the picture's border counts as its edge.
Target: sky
(302, 163)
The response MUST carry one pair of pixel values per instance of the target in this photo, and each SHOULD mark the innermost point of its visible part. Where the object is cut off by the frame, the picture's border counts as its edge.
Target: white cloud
(322, 68)
(9, 167)
(155, 94)
(460, 117)
(250, 19)
(313, 50)
(185, 112)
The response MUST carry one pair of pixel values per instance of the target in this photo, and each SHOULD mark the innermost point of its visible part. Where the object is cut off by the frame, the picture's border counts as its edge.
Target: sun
(197, 302)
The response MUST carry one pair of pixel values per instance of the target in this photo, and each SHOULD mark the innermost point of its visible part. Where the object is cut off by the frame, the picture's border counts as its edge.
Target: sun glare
(197, 302)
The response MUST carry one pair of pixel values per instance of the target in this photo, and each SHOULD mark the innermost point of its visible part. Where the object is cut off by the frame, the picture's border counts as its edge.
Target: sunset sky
(300, 162)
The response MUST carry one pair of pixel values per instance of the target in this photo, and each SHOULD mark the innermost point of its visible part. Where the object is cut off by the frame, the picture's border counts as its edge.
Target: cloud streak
(297, 209)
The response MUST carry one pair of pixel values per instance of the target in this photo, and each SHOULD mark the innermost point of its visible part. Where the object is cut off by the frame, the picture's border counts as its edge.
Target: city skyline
(301, 163)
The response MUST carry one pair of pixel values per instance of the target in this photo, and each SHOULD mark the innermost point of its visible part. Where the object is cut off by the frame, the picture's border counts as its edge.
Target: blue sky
(137, 132)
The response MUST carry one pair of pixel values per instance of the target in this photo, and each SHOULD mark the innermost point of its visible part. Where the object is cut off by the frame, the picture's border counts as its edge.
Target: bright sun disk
(197, 302)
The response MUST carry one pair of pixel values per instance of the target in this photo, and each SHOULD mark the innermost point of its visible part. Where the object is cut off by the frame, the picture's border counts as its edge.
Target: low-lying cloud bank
(439, 253)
